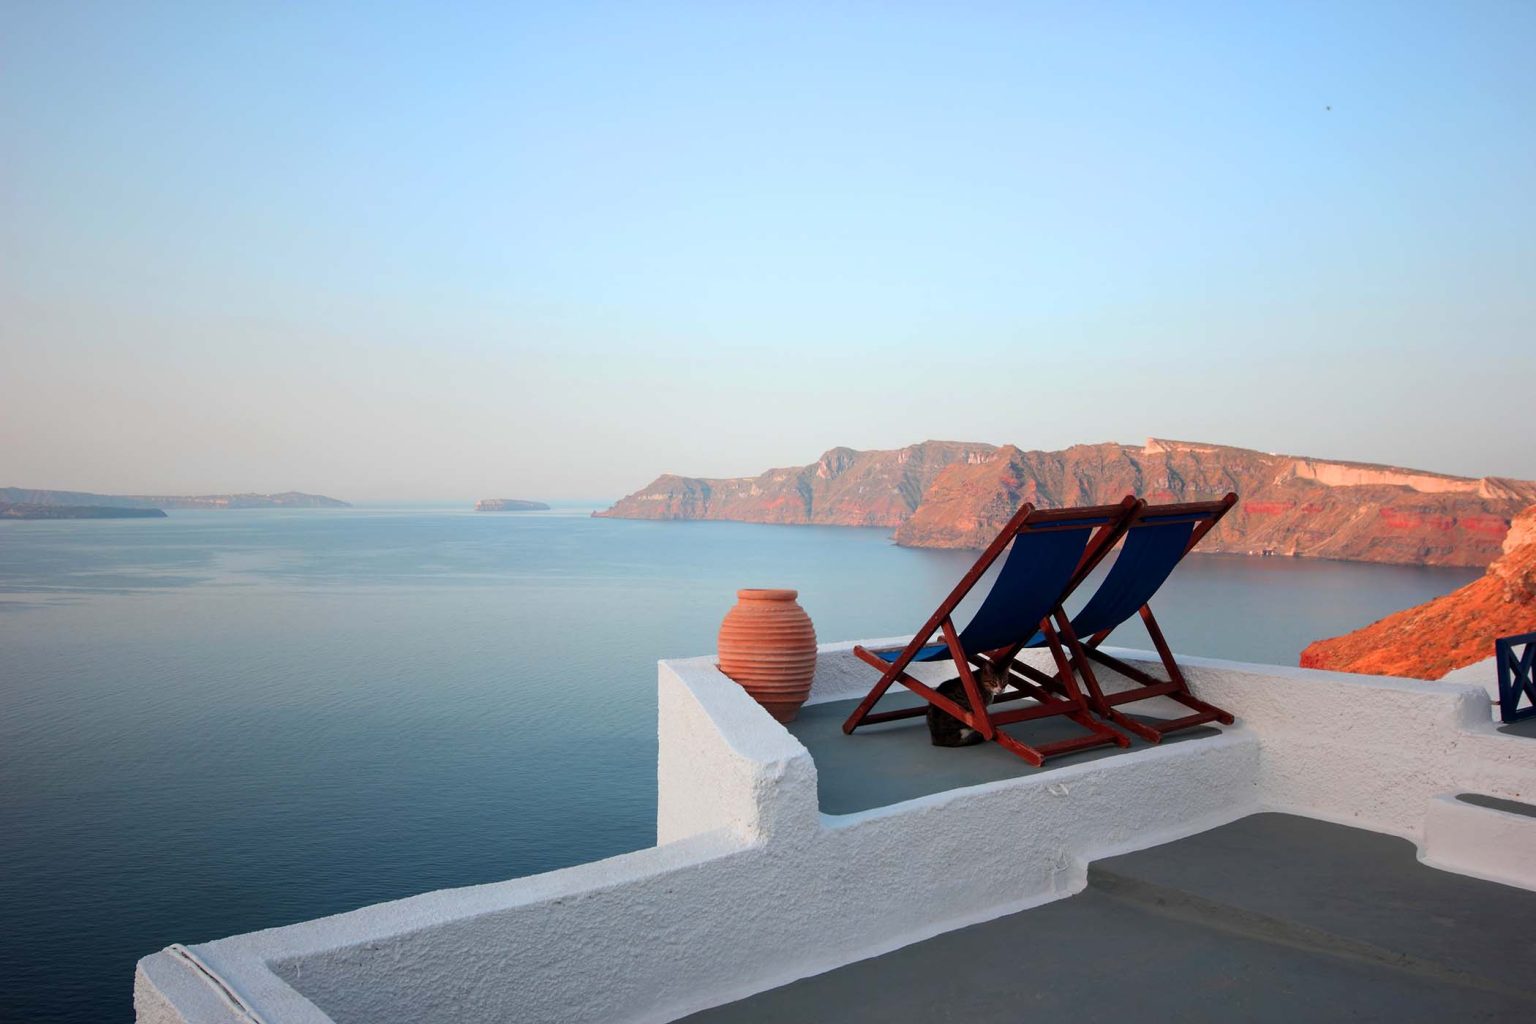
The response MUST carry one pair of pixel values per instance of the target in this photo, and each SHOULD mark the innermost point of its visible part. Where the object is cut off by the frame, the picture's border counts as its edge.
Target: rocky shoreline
(86, 499)
(28, 511)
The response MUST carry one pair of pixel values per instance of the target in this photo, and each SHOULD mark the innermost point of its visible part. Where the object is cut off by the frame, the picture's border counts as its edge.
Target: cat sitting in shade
(947, 730)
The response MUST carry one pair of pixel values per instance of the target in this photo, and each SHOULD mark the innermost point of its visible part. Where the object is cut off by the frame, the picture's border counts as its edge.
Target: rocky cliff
(842, 488)
(287, 499)
(1449, 632)
(956, 495)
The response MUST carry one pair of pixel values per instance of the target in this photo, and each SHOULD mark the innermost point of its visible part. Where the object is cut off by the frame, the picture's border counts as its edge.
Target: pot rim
(766, 594)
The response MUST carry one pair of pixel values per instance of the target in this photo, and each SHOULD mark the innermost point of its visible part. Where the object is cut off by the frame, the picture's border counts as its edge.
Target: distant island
(953, 494)
(509, 505)
(32, 511)
(83, 499)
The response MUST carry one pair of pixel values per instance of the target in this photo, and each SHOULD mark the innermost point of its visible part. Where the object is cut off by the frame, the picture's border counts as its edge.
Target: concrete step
(1342, 892)
(1268, 920)
(1487, 836)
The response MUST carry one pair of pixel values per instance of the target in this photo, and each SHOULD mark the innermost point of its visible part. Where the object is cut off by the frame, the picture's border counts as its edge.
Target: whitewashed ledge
(751, 886)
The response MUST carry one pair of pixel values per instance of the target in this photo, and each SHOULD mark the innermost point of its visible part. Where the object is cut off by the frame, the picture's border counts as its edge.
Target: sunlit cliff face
(1450, 632)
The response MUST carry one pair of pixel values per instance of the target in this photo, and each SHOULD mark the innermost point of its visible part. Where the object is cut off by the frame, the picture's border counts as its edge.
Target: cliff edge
(1427, 641)
(950, 494)
(842, 488)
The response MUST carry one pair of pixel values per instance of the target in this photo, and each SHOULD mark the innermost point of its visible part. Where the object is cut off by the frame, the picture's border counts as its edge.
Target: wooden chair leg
(923, 690)
(1067, 703)
(889, 673)
(1175, 687)
(1064, 701)
(968, 681)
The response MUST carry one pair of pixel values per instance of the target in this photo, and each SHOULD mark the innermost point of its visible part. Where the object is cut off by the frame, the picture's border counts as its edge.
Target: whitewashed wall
(751, 886)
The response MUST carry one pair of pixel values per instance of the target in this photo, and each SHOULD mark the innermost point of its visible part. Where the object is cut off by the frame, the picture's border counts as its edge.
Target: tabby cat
(948, 731)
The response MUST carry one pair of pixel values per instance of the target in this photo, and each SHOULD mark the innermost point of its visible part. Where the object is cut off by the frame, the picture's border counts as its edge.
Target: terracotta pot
(768, 645)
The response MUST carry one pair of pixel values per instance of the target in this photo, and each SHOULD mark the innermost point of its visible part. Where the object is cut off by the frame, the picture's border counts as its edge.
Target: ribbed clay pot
(768, 645)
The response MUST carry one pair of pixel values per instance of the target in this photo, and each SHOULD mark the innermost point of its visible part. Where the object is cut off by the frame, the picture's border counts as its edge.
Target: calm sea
(224, 721)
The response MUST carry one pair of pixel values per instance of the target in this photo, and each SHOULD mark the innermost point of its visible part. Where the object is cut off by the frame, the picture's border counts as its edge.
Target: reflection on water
(224, 721)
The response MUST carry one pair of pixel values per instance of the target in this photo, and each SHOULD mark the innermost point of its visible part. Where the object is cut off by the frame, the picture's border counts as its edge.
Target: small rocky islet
(509, 505)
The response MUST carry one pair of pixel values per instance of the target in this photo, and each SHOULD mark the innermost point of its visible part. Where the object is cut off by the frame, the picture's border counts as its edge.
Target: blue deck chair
(1157, 537)
(1049, 548)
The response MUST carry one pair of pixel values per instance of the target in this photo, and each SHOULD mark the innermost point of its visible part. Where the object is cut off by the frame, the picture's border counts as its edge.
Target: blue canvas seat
(1045, 551)
(1157, 537)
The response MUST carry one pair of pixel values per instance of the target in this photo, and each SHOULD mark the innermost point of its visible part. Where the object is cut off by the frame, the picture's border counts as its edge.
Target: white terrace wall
(1369, 751)
(752, 886)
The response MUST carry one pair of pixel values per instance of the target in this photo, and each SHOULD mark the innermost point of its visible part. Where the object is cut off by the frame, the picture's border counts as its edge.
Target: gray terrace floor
(894, 761)
(1525, 727)
(1271, 918)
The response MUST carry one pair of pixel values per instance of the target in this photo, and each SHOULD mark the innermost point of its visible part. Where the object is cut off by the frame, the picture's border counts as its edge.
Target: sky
(449, 251)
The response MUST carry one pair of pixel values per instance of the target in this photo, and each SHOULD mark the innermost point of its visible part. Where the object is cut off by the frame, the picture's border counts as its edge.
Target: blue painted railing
(1516, 656)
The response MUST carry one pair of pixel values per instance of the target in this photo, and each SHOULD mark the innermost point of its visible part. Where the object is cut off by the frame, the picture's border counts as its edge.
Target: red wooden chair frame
(1064, 698)
(1175, 687)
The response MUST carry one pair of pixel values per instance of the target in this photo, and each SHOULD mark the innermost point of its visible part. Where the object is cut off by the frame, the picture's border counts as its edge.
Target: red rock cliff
(842, 488)
(1449, 632)
(947, 494)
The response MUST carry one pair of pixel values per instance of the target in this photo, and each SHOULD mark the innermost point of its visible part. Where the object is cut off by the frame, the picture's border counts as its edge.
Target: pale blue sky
(448, 251)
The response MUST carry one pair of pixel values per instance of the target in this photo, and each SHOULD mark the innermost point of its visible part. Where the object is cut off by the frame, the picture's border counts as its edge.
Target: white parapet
(751, 886)
(1489, 842)
(1368, 751)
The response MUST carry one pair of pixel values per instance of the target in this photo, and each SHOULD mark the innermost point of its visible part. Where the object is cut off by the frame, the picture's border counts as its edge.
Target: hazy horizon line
(587, 500)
